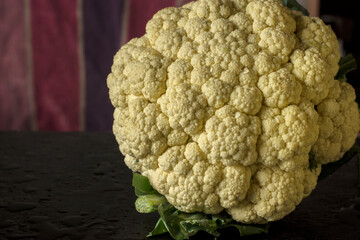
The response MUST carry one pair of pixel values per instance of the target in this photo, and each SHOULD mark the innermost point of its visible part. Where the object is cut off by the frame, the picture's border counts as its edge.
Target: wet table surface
(76, 186)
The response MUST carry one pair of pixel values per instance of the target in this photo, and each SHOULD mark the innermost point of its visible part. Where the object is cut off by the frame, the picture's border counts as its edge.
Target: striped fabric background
(55, 57)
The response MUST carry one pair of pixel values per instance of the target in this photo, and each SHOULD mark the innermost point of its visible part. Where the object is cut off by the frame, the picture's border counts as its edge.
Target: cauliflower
(221, 102)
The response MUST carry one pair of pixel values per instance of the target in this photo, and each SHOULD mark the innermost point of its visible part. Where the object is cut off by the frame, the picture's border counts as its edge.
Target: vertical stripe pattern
(56, 64)
(14, 105)
(102, 28)
(29, 61)
(125, 22)
(55, 58)
(82, 79)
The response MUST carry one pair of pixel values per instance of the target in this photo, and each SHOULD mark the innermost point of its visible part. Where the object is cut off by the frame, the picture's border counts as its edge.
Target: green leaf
(158, 229)
(346, 65)
(330, 168)
(182, 225)
(247, 230)
(294, 5)
(222, 219)
(142, 185)
(191, 227)
(169, 215)
(149, 203)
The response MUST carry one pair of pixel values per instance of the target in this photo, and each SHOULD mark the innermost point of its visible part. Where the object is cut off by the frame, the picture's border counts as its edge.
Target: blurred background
(55, 56)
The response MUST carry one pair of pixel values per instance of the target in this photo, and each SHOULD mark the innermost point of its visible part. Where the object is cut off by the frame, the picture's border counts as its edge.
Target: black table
(76, 186)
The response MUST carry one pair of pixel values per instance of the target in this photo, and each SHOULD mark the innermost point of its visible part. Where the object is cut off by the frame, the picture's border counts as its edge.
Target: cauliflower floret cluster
(221, 102)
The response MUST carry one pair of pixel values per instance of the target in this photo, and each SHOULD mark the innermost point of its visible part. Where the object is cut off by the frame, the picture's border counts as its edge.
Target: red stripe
(141, 12)
(56, 64)
(14, 99)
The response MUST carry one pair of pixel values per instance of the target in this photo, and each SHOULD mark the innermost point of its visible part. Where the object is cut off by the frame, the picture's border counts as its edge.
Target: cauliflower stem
(181, 225)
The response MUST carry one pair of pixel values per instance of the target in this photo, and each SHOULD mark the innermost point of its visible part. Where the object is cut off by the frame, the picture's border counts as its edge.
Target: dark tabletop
(76, 186)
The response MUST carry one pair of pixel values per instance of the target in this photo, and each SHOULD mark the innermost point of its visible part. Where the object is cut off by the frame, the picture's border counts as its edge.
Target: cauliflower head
(221, 101)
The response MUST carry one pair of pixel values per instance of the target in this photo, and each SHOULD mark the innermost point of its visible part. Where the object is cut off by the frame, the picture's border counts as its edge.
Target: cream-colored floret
(266, 63)
(273, 194)
(143, 165)
(234, 185)
(270, 14)
(178, 72)
(339, 123)
(247, 99)
(230, 137)
(287, 135)
(242, 22)
(216, 92)
(221, 101)
(277, 42)
(211, 9)
(313, 33)
(313, 72)
(185, 107)
(142, 70)
(191, 183)
(280, 88)
(136, 130)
